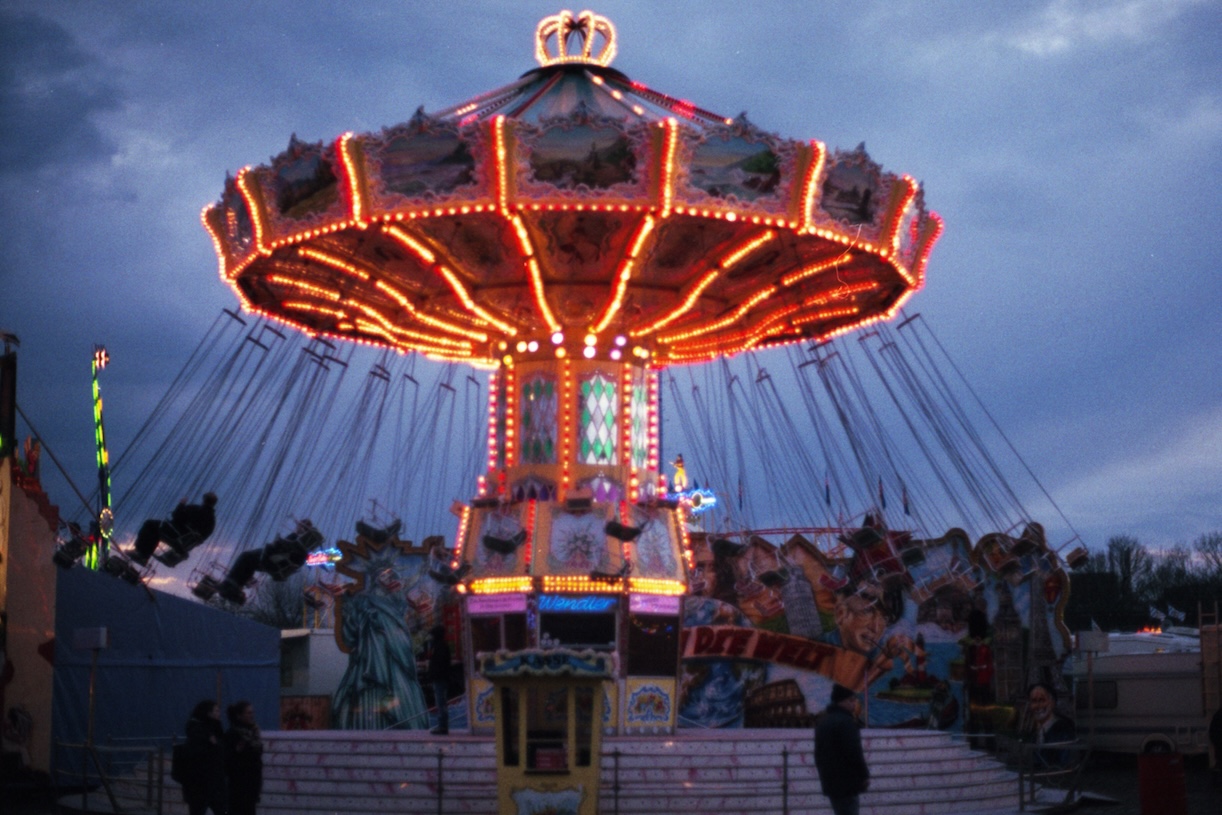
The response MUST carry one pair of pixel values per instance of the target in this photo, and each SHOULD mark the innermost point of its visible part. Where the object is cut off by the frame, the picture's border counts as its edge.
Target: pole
(1090, 692)
(93, 674)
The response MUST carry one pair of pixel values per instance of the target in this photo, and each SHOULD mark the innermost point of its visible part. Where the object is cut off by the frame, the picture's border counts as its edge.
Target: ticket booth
(549, 712)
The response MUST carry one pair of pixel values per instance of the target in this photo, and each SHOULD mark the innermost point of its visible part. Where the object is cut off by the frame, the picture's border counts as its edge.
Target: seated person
(279, 559)
(189, 525)
(1047, 727)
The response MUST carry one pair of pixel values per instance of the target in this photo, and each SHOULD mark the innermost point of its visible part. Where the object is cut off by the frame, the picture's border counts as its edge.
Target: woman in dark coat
(243, 759)
(204, 787)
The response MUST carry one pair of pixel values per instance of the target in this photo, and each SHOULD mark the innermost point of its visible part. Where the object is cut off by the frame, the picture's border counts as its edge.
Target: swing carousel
(581, 236)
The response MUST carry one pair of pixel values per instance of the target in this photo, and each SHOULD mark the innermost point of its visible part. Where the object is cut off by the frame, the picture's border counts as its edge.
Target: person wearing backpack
(203, 778)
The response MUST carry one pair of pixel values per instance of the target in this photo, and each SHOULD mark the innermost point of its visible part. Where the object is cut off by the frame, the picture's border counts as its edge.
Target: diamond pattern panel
(599, 407)
(539, 421)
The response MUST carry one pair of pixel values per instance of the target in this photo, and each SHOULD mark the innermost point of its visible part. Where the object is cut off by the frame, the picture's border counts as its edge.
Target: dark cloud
(50, 90)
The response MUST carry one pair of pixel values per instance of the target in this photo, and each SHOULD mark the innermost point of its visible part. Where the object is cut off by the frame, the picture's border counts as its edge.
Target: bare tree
(1209, 548)
(280, 605)
(1129, 561)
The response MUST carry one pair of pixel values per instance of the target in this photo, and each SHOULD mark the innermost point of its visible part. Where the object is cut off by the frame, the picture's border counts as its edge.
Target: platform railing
(1049, 775)
(100, 765)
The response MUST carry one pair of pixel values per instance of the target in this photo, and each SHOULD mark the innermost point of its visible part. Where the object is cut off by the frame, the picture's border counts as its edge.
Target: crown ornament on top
(555, 34)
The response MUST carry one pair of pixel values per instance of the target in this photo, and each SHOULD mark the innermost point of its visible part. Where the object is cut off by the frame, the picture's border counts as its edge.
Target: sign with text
(732, 642)
(497, 604)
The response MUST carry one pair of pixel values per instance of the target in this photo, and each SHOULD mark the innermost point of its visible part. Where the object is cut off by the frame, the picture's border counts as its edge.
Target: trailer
(1147, 692)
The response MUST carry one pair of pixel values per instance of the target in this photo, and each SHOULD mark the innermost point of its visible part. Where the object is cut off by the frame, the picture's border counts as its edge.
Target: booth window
(497, 632)
(547, 713)
(509, 725)
(579, 631)
(653, 645)
(585, 724)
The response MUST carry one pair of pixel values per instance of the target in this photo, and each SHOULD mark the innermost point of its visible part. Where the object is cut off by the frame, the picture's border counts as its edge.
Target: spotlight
(618, 530)
(505, 546)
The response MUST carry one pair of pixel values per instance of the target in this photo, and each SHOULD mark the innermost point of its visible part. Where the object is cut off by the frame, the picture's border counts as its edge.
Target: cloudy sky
(1073, 148)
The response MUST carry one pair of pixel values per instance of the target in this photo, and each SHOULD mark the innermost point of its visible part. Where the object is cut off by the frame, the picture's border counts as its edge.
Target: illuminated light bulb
(588, 352)
(616, 354)
(621, 340)
(591, 339)
(532, 346)
(521, 346)
(560, 353)
(557, 338)
(507, 359)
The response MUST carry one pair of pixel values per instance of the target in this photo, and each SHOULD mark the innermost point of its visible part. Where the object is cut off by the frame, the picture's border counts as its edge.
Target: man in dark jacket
(839, 758)
(438, 674)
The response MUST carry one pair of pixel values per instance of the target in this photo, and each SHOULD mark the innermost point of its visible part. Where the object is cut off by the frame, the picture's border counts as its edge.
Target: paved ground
(1113, 778)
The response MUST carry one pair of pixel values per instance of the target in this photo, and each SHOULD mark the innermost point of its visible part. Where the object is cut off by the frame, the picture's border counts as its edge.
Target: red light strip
(668, 166)
(352, 179)
(256, 212)
(810, 189)
(502, 171)
(731, 318)
(510, 395)
(456, 285)
(704, 282)
(890, 234)
(814, 269)
(494, 395)
(625, 274)
(567, 430)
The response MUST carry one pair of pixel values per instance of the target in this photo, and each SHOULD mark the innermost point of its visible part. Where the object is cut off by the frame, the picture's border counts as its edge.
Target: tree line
(1128, 586)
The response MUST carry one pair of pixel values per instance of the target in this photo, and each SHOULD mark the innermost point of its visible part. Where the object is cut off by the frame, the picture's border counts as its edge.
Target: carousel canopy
(574, 208)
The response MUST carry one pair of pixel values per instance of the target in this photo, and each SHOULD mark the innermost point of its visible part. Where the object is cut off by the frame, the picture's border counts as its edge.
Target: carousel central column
(578, 426)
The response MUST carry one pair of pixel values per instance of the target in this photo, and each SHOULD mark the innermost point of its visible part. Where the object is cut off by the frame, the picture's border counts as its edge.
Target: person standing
(204, 785)
(439, 676)
(839, 757)
(243, 759)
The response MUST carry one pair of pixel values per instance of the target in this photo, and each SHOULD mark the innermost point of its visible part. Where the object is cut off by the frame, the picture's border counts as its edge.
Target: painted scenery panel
(851, 194)
(425, 164)
(304, 183)
(735, 168)
(571, 157)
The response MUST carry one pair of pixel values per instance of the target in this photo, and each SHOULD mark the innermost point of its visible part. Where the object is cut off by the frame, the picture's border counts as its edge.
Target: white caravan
(1149, 692)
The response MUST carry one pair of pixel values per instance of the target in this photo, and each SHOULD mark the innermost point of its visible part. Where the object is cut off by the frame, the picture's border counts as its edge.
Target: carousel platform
(730, 772)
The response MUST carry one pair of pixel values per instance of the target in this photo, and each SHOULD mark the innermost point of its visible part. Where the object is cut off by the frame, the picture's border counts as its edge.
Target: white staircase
(728, 772)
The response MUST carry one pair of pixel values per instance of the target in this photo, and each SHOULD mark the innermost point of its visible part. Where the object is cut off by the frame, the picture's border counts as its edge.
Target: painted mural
(936, 632)
(382, 623)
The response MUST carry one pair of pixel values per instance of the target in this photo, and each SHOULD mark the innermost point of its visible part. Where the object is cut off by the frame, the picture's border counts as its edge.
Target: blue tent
(164, 654)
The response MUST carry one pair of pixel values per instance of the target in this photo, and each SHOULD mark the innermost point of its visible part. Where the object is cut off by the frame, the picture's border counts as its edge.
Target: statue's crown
(555, 34)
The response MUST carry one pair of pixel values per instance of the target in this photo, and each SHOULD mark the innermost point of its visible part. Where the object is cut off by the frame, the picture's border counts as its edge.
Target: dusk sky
(1073, 149)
